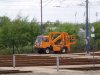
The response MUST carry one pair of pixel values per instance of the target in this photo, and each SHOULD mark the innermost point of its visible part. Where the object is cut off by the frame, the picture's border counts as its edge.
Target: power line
(62, 3)
(48, 3)
(73, 3)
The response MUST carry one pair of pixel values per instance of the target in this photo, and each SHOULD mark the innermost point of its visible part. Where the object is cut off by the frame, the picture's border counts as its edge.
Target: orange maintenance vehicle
(54, 42)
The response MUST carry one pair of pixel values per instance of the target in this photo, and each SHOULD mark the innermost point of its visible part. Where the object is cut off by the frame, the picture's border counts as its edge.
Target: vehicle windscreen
(39, 39)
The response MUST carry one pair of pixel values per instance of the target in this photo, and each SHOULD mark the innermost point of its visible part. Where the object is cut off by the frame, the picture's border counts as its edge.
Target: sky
(72, 11)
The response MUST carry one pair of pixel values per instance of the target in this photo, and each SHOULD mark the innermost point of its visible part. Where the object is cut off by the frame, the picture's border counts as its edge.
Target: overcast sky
(62, 10)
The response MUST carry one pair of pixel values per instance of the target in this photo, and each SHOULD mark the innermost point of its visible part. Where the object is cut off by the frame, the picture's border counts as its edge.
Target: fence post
(57, 62)
(14, 61)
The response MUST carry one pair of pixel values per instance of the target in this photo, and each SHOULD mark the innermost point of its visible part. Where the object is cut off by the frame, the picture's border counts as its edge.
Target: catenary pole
(41, 19)
(87, 29)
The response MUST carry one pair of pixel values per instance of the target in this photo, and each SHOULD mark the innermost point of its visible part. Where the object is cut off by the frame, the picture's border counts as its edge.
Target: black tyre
(64, 50)
(47, 51)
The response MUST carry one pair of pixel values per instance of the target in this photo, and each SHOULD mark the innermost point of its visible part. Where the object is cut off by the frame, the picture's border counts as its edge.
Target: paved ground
(61, 73)
(51, 70)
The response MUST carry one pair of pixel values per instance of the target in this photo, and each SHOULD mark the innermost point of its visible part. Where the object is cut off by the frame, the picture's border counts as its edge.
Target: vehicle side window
(45, 39)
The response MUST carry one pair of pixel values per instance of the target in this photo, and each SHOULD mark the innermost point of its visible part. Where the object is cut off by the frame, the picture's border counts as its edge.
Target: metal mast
(41, 19)
(87, 28)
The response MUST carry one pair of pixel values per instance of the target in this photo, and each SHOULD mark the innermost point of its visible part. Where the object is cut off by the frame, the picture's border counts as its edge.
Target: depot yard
(46, 63)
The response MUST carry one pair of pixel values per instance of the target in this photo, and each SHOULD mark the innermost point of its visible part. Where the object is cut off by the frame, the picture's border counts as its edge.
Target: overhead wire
(63, 2)
(49, 1)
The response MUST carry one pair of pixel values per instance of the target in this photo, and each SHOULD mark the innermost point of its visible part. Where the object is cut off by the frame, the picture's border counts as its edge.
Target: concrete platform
(51, 70)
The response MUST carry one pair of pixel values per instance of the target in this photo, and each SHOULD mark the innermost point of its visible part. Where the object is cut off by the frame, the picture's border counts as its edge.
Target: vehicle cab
(41, 42)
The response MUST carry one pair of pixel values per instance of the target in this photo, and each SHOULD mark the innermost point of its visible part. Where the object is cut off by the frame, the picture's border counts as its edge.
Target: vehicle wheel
(47, 51)
(64, 50)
